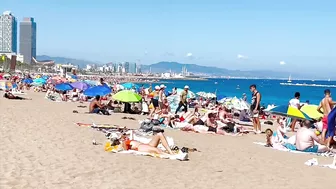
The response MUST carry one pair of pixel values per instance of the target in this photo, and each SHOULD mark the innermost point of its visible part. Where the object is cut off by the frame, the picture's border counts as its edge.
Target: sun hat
(186, 87)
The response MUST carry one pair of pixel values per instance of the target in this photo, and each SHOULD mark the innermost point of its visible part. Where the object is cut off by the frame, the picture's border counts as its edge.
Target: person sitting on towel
(307, 141)
(96, 107)
(151, 147)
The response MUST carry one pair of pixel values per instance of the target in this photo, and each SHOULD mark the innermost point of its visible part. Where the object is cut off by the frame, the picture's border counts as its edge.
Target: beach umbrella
(6, 85)
(28, 81)
(80, 85)
(6, 75)
(100, 90)
(130, 86)
(127, 96)
(289, 111)
(311, 111)
(202, 94)
(63, 87)
(37, 84)
(211, 95)
(190, 93)
(91, 82)
(40, 80)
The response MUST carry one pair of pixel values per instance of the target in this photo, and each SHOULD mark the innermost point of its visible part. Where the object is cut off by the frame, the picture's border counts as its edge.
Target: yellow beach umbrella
(311, 111)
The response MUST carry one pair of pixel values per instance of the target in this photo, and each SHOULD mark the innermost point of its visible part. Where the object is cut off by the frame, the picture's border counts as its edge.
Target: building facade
(8, 33)
(132, 68)
(28, 40)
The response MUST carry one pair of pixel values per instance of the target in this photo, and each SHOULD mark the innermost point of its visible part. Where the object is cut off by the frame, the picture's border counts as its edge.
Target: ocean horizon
(271, 90)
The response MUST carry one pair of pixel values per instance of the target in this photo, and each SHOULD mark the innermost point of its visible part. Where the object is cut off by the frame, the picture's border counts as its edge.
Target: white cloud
(189, 55)
(282, 62)
(240, 56)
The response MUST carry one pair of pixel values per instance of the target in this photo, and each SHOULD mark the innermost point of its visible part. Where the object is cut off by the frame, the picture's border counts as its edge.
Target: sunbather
(151, 147)
(10, 96)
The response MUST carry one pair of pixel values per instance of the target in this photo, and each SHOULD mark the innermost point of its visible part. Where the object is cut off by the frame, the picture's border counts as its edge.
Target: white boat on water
(289, 79)
(329, 79)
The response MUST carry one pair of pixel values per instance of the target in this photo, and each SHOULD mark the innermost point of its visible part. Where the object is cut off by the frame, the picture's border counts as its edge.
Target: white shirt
(294, 103)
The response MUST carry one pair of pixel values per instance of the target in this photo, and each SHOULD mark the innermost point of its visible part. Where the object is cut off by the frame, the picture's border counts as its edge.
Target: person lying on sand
(96, 107)
(10, 96)
(151, 147)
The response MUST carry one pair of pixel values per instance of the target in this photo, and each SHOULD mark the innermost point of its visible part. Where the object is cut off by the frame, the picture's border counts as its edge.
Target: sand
(42, 148)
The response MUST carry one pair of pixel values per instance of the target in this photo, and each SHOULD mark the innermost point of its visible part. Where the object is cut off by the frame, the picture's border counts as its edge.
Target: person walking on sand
(326, 105)
(295, 103)
(183, 100)
(255, 108)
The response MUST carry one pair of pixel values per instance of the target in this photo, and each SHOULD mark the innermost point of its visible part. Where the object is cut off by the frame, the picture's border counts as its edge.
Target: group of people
(312, 135)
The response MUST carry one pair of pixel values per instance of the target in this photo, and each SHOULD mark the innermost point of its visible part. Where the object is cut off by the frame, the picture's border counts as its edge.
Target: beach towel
(116, 149)
(96, 125)
(280, 147)
(314, 162)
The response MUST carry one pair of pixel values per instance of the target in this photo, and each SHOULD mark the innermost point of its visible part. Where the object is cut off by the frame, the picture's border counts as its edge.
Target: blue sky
(236, 34)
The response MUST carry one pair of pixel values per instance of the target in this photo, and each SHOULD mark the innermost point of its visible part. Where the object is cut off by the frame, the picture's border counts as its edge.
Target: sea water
(271, 90)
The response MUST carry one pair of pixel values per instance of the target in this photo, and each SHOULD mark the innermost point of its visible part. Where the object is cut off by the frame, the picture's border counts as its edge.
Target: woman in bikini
(151, 147)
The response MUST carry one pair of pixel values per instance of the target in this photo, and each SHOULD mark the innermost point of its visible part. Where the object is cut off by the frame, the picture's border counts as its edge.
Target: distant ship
(289, 79)
(238, 87)
(329, 79)
(307, 85)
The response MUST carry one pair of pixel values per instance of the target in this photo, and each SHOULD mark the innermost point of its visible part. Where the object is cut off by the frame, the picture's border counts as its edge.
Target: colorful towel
(116, 149)
(282, 148)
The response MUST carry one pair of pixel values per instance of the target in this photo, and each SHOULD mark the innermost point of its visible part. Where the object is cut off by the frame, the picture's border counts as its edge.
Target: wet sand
(41, 147)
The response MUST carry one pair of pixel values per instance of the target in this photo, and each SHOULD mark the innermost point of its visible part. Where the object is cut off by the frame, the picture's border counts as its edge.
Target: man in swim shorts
(327, 105)
(306, 138)
(255, 108)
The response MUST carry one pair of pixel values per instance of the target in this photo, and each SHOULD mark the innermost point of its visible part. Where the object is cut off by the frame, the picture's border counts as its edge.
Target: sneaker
(258, 132)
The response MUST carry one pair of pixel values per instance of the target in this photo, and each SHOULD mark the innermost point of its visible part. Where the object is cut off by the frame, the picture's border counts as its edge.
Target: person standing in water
(326, 105)
(255, 108)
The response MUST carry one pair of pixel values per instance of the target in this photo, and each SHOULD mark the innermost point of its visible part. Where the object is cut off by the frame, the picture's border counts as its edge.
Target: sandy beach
(41, 147)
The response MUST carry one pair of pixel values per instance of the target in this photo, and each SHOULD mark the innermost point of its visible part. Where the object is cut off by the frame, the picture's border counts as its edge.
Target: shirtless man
(327, 105)
(306, 140)
(96, 107)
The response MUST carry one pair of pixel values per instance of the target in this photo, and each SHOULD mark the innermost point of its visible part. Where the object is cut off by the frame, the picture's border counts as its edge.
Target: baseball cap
(162, 86)
(157, 87)
(186, 87)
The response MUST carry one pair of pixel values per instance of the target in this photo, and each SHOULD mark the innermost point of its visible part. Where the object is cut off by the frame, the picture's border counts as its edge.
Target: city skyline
(285, 36)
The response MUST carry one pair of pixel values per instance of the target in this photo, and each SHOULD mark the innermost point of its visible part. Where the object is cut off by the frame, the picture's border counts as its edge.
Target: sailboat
(289, 79)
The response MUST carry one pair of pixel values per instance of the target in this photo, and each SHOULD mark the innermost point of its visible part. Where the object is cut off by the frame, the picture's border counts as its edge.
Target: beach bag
(230, 127)
(146, 127)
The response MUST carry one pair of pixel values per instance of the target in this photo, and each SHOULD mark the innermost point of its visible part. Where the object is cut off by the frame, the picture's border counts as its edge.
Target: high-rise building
(28, 39)
(132, 67)
(8, 33)
(126, 67)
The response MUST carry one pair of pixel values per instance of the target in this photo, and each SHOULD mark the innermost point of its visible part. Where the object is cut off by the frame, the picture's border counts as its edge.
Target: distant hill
(214, 71)
(63, 60)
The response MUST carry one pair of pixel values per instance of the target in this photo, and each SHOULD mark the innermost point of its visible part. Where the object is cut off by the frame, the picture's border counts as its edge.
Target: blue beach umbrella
(63, 87)
(130, 86)
(28, 81)
(40, 80)
(101, 90)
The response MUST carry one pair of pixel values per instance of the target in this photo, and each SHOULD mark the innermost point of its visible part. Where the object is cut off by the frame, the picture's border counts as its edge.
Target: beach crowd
(183, 109)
